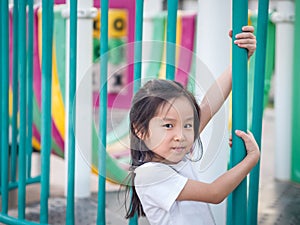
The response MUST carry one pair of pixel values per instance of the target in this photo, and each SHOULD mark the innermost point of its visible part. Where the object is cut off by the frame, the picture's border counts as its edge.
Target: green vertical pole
(70, 217)
(258, 104)
(29, 87)
(139, 8)
(139, 12)
(4, 104)
(0, 91)
(295, 167)
(47, 36)
(102, 113)
(270, 61)
(239, 108)
(14, 125)
(22, 81)
(270, 55)
(171, 39)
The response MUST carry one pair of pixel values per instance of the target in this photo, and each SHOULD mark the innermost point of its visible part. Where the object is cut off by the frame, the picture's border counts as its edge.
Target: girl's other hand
(246, 39)
(250, 143)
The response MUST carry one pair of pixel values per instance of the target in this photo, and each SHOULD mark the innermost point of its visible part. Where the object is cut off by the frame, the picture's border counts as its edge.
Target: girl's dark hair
(153, 95)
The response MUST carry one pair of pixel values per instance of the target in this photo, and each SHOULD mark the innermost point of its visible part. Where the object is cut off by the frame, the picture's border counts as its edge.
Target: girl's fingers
(248, 28)
(245, 40)
(245, 35)
(240, 133)
(249, 46)
(248, 138)
(245, 136)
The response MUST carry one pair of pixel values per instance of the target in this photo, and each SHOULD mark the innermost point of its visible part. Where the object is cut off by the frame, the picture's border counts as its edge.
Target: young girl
(165, 123)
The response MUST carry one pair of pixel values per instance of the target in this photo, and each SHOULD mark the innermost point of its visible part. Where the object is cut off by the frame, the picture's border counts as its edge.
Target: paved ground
(279, 202)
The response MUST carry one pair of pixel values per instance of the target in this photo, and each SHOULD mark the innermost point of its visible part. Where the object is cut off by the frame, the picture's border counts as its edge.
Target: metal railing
(16, 151)
(16, 154)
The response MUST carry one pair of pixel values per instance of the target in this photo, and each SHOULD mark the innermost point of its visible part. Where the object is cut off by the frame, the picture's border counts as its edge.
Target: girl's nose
(179, 136)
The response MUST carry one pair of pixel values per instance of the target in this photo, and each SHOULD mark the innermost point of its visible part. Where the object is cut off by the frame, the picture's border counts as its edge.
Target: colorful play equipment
(116, 38)
(36, 70)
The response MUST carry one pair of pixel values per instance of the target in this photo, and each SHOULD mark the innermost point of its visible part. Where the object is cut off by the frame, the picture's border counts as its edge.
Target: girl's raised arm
(220, 89)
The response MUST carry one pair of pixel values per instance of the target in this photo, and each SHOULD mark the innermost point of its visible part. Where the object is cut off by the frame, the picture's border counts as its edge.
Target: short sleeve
(158, 185)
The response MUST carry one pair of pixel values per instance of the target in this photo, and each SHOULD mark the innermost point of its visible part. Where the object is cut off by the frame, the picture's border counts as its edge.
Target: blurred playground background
(202, 44)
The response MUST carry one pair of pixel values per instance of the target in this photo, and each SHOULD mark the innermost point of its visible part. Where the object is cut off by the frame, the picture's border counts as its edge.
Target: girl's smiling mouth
(178, 149)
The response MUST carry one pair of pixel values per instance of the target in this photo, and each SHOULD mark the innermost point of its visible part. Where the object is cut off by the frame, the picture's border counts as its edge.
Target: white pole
(283, 86)
(152, 8)
(83, 99)
(213, 51)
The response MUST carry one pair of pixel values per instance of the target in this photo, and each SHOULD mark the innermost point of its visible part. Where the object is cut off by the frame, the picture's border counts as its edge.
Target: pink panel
(187, 49)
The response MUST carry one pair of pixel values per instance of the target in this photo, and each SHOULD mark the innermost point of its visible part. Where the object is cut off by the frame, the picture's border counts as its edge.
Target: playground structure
(58, 133)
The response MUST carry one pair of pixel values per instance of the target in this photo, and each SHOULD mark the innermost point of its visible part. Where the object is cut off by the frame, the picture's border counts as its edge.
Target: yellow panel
(36, 144)
(117, 24)
(96, 26)
(58, 110)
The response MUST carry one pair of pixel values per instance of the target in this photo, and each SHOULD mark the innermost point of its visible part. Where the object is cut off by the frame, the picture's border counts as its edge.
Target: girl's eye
(188, 126)
(168, 125)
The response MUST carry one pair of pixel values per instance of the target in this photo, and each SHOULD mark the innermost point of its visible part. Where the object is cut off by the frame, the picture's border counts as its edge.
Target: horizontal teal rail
(32, 180)
(13, 221)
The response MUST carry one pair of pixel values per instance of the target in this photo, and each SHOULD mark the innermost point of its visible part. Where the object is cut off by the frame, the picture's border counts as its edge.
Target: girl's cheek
(155, 138)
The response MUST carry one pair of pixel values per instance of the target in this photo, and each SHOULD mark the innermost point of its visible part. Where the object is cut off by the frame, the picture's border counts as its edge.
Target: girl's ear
(140, 134)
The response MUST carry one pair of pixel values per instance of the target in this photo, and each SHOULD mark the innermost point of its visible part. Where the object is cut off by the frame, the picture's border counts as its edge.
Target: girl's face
(171, 131)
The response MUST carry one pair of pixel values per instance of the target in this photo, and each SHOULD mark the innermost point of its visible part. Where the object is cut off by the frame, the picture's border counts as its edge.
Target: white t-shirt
(158, 185)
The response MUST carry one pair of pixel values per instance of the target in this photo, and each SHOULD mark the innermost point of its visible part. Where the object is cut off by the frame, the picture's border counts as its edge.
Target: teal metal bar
(29, 87)
(139, 9)
(229, 198)
(239, 109)
(23, 111)
(258, 104)
(102, 113)
(14, 125)
(13, 221)
(295, 167)
(138, 45)
(70, 216)
(47, 36)
(14, 185)
(4, 104)
(0, 91)
(171, 39)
